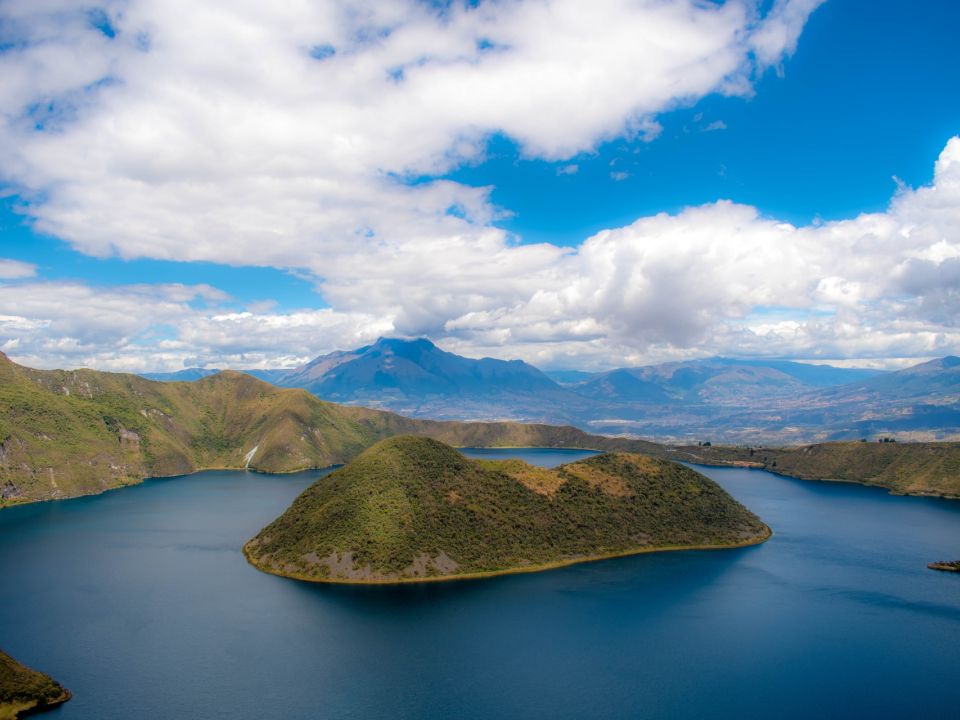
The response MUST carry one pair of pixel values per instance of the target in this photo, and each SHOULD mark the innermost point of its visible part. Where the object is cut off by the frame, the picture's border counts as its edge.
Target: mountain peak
(413, 370)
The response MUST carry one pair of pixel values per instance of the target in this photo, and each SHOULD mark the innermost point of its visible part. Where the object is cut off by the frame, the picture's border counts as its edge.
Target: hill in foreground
(413, 509)
(24, 691)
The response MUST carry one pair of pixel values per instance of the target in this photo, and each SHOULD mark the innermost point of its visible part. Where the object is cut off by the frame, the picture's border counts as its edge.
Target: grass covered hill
(78, 432)
(411, 508)
(902, 468)
(24, 691)
(68, 433)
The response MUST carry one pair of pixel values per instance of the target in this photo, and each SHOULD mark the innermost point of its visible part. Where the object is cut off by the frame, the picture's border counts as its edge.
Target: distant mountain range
(65, 433)
(418, 379)
(723, 399)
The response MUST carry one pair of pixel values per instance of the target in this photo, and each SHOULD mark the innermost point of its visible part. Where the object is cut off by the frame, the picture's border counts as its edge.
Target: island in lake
(412, 509)
(26, 692)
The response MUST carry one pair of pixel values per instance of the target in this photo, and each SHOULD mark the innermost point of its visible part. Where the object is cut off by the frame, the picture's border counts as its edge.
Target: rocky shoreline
(946, 566)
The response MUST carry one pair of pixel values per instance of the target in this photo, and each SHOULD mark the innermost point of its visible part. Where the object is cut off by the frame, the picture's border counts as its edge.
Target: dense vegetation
(25, 691)
(411, 507)
(906, 468)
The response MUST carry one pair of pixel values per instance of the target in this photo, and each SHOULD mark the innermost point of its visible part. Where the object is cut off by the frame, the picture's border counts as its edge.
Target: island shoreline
(46, 706)
(527, 569)
(842, 481)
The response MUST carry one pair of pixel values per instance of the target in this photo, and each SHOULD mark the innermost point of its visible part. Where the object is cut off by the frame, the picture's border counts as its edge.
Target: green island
(25, 692)
(412, 509)
(80, 432)
(948, 566)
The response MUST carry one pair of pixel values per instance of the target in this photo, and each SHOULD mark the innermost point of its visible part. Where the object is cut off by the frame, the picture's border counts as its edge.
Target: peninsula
(949, 566)
(26, 692)
(412, 509)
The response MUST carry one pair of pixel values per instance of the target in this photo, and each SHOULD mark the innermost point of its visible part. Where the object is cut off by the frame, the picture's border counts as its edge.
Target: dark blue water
(141, 603)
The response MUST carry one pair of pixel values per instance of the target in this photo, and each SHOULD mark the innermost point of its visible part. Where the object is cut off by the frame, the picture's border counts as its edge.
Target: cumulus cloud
(721, 278)
(159, 327)
(15, 269)
(714, 279)
(231, 138)
(297, 136)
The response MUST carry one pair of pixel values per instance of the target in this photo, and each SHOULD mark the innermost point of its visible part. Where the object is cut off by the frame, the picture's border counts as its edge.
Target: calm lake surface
(140, 602)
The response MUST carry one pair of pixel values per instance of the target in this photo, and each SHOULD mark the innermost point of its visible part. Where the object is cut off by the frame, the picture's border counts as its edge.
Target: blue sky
(813, 117)
(867, 97)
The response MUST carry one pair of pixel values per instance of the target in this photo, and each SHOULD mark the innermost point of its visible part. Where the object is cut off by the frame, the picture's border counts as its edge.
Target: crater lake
(141, 603)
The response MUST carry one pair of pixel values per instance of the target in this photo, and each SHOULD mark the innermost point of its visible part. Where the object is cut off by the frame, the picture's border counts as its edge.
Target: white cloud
(223, 139)
(135, 327)
(16, 270)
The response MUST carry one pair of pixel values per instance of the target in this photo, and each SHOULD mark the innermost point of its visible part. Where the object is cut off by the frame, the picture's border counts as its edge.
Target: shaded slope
(412, 508)
(24, 691)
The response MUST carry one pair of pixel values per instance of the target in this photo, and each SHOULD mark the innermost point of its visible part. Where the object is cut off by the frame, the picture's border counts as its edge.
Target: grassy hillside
(24, 691)
(904, 468)
(411, 508)
(69, 433)
(64, 434)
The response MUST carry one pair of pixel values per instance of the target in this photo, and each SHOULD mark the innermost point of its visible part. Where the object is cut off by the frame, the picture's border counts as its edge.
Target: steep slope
(412, 508)
(72, 433)
(25, 692)
(69, 433)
